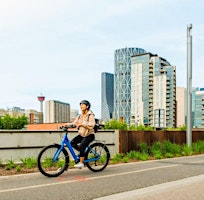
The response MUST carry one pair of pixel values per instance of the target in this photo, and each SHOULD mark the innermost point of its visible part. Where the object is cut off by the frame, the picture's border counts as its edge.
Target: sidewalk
(186, 189)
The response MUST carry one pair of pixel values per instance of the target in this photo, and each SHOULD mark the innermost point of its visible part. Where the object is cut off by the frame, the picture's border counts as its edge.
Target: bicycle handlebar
(65, 128)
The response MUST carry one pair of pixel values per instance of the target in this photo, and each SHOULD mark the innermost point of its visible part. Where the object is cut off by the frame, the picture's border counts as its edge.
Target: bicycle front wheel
(46, 163)
(99, 156)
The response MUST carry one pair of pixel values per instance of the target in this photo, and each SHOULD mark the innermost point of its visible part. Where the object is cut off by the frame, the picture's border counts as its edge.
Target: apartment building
(57, 111)
(153, 91)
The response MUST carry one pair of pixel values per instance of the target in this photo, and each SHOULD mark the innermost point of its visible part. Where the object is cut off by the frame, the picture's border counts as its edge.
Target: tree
(1, 123)
(8, 122)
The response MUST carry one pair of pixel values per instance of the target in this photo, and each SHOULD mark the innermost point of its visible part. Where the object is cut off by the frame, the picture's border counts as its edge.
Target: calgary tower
(41, 98)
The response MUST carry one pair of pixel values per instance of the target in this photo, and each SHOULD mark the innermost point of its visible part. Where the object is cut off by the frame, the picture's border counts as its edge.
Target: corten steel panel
(129, 140)
(195, 136)
(132, 138)
(138, 137)
(135, 138)
(178, 137)
(123, 141)
(148, 137)
(157, 136)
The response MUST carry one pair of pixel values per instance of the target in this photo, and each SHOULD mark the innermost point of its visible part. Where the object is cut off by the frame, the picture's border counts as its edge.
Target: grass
(158, 150)
(29, 162)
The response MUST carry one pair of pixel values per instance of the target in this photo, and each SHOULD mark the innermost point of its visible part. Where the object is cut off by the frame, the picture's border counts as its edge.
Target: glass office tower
(122, 82)
(107, 96)
(198, 119)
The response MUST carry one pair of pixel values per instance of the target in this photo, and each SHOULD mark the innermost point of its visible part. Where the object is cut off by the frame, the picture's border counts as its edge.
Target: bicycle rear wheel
(100, 155)
(48, 166)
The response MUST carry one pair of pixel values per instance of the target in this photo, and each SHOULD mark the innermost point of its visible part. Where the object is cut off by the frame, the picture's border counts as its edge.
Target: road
(139, 179)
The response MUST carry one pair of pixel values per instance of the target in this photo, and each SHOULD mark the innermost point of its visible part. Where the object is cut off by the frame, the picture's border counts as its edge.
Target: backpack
(96, 127)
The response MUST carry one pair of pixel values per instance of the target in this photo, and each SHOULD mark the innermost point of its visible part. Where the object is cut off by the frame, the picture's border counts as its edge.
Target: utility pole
(189, 86)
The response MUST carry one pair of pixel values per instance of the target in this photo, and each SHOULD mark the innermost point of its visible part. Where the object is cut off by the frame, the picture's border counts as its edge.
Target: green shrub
(18, 168)
(201, 146)
(156, 148)
(116, 125)
(157, 154)
(133, 154)
(169, 155)
(125, 159)
(187, 151)
(118, 157)
(171, 148)
(10, 165)
(195, 148)
(143, 148)
(29, 162)
(143, 156)
(140, 128)
(183, 128)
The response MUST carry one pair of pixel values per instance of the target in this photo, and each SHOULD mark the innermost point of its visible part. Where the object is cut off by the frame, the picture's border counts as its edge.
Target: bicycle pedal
(76, 161)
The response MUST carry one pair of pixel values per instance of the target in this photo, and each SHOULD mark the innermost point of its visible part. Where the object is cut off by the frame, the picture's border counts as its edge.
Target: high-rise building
(57, 111)
(107, 96)
(73, 114)
(198, 121)
(153, 91)
(180, 106)
(122, 82)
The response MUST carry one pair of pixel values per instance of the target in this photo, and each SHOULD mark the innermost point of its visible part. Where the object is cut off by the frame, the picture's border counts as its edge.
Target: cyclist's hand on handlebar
(62, 127)
(67, 126)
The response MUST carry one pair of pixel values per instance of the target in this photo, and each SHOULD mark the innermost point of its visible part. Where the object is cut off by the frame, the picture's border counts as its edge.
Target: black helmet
(87, 103)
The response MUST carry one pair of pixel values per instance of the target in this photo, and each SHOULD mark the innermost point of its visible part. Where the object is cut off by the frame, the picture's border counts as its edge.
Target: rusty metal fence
(130, 140)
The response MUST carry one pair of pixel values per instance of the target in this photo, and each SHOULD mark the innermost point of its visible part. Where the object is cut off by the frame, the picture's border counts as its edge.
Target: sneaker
(79, 165)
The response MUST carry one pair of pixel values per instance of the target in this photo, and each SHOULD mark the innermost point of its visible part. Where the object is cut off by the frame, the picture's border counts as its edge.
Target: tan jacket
(88, 123)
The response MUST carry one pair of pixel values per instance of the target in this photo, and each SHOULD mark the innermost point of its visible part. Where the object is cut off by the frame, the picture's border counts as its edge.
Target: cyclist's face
(83, 107)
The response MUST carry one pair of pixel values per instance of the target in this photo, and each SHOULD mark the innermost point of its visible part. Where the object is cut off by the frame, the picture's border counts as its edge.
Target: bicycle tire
(45, 161)
(95, 150)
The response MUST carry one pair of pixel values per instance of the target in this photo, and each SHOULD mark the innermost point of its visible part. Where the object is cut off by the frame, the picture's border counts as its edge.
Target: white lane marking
(85, 179)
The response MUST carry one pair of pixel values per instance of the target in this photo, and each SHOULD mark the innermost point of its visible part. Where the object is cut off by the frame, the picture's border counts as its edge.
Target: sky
(59, 48)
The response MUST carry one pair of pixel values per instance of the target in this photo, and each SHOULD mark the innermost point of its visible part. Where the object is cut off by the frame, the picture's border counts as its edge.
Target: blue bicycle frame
(66, 141)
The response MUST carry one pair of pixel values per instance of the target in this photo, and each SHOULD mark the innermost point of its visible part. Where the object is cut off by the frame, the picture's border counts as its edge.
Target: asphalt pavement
(185, 189)
(179, 178)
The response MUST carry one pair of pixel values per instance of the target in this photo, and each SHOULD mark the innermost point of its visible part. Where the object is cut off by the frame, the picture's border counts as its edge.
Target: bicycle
(53, 159)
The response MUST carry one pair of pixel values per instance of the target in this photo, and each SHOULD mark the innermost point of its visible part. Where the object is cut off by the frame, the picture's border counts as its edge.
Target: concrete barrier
(15, 145)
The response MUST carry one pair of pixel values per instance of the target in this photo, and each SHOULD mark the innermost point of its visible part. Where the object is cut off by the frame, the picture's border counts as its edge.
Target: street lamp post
(189, 86)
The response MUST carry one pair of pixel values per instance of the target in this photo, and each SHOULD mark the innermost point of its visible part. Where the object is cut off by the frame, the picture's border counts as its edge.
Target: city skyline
(60, 48)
